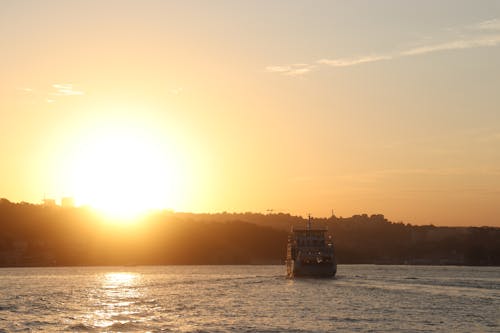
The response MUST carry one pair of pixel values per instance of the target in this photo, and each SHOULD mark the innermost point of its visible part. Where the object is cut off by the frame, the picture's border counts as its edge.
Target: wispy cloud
(460, 44)
(291, 70)
(479, 35)
(65, 89)
(49, 94)
(482, 41)
(345, 62)
(488, 25)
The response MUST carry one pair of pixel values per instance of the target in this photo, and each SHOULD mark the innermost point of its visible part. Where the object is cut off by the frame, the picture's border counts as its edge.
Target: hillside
(37, 235)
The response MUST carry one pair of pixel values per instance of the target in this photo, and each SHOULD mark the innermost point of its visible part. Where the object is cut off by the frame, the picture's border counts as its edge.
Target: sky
(377, 107)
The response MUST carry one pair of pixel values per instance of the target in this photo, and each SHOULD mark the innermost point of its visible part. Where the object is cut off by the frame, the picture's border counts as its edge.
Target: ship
(310, 253)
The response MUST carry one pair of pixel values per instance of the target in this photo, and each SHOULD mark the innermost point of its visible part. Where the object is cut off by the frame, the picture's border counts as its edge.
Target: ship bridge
(309, 237)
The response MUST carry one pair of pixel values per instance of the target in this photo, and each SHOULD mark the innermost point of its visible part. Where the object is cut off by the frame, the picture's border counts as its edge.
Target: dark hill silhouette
(38, 235)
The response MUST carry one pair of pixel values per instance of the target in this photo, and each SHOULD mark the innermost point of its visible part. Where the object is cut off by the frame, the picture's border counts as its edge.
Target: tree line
(40, 235)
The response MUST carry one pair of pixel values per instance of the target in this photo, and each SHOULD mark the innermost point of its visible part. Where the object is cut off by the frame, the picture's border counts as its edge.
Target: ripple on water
(81, 327)
(250, 298)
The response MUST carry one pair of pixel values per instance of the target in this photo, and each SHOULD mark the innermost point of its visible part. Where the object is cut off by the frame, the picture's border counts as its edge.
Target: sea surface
(362, 298)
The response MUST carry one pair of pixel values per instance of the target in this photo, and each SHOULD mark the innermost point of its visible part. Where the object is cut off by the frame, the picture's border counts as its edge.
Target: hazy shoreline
(38, 235)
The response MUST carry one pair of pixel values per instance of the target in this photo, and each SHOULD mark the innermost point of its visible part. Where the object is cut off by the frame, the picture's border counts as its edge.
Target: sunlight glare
(124, 171)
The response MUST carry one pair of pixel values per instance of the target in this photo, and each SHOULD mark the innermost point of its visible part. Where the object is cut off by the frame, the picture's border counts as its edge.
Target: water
(362, 298)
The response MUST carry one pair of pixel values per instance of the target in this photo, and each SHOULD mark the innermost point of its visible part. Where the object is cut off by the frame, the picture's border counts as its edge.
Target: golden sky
(388, 107)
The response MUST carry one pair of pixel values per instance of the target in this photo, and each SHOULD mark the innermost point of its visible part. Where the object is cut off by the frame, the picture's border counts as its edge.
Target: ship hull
(320, 270)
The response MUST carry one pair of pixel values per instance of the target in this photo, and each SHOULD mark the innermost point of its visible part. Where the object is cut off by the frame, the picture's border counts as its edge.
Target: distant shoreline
(41, 236)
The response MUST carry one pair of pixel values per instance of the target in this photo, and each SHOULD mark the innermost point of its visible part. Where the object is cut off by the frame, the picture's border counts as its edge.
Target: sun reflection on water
(118, 279)
(117, 299)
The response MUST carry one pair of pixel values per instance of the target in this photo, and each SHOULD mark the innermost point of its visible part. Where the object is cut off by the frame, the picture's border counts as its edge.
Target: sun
(124, 171)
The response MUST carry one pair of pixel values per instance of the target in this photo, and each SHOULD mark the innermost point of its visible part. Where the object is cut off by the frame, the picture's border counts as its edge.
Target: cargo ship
(310, 253)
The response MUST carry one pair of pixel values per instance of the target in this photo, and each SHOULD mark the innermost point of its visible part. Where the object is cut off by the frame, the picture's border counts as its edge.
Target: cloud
(462, 44)
(488, 25)
(291, 70)
(345, 62)
(278, 69)
(50, 94)
(65, 89)
(484, 38)
(481, 41)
